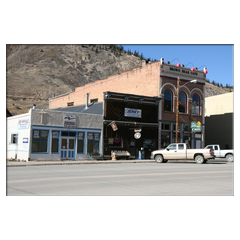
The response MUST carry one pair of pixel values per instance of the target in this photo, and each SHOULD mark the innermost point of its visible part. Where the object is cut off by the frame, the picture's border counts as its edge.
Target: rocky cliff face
(36, 72)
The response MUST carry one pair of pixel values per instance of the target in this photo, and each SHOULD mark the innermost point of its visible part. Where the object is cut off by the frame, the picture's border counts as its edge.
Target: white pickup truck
(218, 153)
(182, 151)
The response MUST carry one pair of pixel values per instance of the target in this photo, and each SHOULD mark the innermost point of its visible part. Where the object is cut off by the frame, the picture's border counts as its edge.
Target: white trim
(168, 84)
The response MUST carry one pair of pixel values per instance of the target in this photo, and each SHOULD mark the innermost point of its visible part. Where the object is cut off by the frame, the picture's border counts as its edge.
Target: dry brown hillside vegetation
(36, 72)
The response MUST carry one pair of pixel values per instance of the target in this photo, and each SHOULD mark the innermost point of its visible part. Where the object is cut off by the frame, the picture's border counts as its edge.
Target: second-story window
(195, 104)
(182, 102)
(168, 100)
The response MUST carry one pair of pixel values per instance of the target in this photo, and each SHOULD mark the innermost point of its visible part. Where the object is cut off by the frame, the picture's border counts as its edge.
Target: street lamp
(192, 81)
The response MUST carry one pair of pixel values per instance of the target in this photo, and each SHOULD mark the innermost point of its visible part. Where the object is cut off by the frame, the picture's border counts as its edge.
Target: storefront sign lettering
(23, 124)
(55, 135)
(183, 71)
(35, 133)
(196, 127)
(69, 121)
(96, 137)
(90, 136)
(80, 136)
(130, 112)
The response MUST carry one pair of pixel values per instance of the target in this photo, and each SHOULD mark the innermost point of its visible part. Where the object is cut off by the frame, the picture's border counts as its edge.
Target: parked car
(218, 153)
(181, 151)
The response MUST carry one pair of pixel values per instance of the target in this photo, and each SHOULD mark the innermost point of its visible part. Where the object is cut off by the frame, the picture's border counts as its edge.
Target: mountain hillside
(36, 72)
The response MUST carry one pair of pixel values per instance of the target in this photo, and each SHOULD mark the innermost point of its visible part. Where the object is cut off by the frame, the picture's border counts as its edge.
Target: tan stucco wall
(219, 104)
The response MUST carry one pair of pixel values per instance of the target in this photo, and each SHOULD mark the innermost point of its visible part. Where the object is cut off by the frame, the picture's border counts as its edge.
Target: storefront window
(167, 100)
(165, 126)
(55, 141)
(186, 128)
(40, 141)
(80, 146)
(174, 137)
(182, 102)
(114, 142)
(187, 138)
(195, 104)
(93, 142)
(165, 139)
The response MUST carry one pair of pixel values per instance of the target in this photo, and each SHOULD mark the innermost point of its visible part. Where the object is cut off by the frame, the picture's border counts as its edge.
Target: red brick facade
(140, 81)
(152, 80)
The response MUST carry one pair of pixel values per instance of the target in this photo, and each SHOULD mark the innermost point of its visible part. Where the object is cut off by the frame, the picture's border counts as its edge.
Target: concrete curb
(45, 163)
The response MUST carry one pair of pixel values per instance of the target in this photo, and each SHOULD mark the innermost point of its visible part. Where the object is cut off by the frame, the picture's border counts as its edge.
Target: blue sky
(217, 58)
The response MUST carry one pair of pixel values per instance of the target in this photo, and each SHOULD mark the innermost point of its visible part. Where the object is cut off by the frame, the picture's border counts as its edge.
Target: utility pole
(176, 140)
(177, 107)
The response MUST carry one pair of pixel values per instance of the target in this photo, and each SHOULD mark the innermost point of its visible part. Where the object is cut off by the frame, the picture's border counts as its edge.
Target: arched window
(168, 100)
(182, 107)
(195, 104)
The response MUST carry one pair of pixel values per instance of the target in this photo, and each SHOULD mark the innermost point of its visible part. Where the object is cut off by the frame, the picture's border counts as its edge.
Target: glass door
(67, 148)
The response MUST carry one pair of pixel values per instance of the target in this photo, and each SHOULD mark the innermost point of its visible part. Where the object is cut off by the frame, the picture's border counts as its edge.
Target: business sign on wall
(23, 123)
(196, 127)
(130, 112)
(69, 121)
(182, 72)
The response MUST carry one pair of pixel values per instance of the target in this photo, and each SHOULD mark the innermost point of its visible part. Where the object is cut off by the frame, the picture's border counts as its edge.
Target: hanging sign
(130, 112)
(113, 125)
(69, 121)
(196, 127)
(137, 135)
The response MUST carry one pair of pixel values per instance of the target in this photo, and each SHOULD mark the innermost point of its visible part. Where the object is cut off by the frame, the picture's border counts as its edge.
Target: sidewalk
(71, 162)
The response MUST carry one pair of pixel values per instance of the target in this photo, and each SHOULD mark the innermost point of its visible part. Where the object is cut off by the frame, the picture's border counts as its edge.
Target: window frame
(56, 141)
(184, 103)
(171, 105)
(199, 113)
(81, 141)
(93, 142)
(40, 141)
(12, 135)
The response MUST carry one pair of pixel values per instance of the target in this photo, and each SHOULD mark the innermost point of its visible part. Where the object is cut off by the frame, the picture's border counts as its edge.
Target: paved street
(123, 179)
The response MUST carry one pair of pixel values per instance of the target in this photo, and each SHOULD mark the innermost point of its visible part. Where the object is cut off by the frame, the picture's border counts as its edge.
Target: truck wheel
(229, 157)
(199, 159)
(159, 158)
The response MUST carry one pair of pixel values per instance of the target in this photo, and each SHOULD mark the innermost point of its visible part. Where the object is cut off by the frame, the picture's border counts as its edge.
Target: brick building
(158, 79)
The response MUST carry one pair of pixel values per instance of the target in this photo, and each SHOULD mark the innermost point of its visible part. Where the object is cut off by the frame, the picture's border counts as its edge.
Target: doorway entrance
(67, 148)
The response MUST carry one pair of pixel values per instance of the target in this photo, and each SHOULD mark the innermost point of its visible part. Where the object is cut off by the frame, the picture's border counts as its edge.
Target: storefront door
(67, 148)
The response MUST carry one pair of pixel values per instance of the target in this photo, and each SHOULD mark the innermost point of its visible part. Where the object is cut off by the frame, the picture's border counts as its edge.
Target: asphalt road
(123, 179)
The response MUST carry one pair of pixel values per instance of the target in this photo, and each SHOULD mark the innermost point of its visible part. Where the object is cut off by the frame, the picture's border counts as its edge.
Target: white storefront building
(44, 134)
